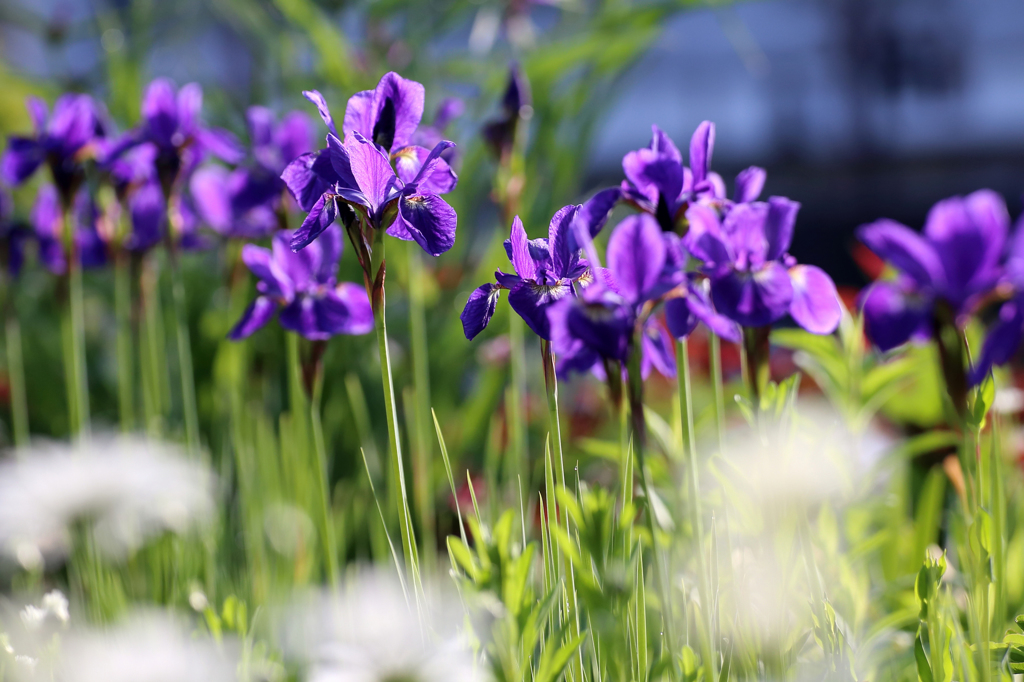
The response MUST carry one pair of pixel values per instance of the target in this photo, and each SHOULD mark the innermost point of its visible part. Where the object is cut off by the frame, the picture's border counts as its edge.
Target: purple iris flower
(546, 270)
(945, 272)
(61, 140)
(133, 176)
(47, 219)
(171, 122)
(601, 323)
(304, 287)
(357, 174)
(754, 281)
(658, 183)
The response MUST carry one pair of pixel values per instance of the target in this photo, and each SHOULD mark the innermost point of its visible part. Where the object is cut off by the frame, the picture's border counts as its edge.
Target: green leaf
(924, 671)
(554, 660)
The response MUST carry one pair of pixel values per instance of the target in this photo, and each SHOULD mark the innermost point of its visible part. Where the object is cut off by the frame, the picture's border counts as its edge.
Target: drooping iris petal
(679, 317)
(892, 315)
(332, 244)
(309, 176)
(604, 324)
(531, 300)
(479, 309)
(208, 187)
(682, 314)
(255, 316)
(905, 249)
(20, 160)
(636, 255)
(702, 145)
(705, 238)
(344, 310)
(434, 172)
(1003, 340)
(753, 299)
(372, 172)
(778, 226)
(595, 211)
(815, 305)
(274, 280)
(300, 316)
(749, 184)
(657, 350)
(221, 143)
(571, 354)
(429, 220)
(320, 103)
(321, 216)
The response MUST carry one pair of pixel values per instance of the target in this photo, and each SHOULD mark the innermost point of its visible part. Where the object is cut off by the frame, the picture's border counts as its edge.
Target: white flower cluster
(124, 489)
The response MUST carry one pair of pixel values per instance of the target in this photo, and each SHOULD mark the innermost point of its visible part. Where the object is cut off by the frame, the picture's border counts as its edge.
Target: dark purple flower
(47, 219)
(658, 183)
(500, 133)
(61, 140)
(546, 270)
(171, 122)
(304, 287)
(754, 281)
(276, 144)
(223, 200)
(954, 264)
(133, 176)
(357, 174)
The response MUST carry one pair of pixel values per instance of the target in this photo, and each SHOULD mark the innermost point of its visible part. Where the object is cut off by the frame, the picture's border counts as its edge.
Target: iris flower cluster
(689, 255)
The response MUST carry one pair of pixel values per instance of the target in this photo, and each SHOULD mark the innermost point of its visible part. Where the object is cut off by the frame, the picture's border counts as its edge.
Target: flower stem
(636, 407)
(154, 370)
(519, 464)
(394, 440)
(422, 452)
(75, 369)
(718, 387)
(122, 313)
(15, 367)
(323, 476)
(694, 507)
(188, 387)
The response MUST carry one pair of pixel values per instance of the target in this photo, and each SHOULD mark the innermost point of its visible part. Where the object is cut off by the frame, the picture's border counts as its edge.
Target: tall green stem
(15, 367)
(122, 313)
(519, 465)
(184, 342)
(394, 439)
(694, 506)
(636, 407)
(422, 452)
(717, 385)
(155, 387)
(75, 369)
(323, 475)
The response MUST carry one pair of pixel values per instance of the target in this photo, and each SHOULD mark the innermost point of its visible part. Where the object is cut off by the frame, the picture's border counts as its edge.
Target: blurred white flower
(147, 647)
(125, 489)
(369, 633)
(54, 603)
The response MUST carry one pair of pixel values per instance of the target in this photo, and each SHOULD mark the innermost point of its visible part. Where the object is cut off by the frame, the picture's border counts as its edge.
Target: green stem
(394, 441)
(154, 370)
(694, 507)
(519, 465)
(323, 476)
(422, 453)
(75, 369)
(122, 312)
(717, 385)
(636, 408)
(16, 373)
(188, 386)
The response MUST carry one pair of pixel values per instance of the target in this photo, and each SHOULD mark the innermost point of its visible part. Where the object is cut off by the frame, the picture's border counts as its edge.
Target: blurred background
(860, 108)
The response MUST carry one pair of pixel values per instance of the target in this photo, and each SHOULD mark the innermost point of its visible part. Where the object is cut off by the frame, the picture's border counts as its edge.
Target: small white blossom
(371, 633)
(124, 489)
(54, 603)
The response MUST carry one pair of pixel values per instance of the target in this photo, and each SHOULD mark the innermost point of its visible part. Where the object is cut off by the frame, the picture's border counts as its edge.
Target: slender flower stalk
(75, 369)
(694, 505)
(184, 343)
(125, 356)
(715, 353)
(16, 373)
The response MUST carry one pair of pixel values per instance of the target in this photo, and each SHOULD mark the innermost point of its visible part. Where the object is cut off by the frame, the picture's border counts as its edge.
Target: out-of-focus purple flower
(47, 219)
(601, 323)
(357, 175)
(500, 133)
(304, 287)
(546, 270)
(658, 183)
(133, 175)
(12, 237)
(171, 122)
(428, 136)
(754, 281)
(62, 141)
(944, 272)
(245, 202)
